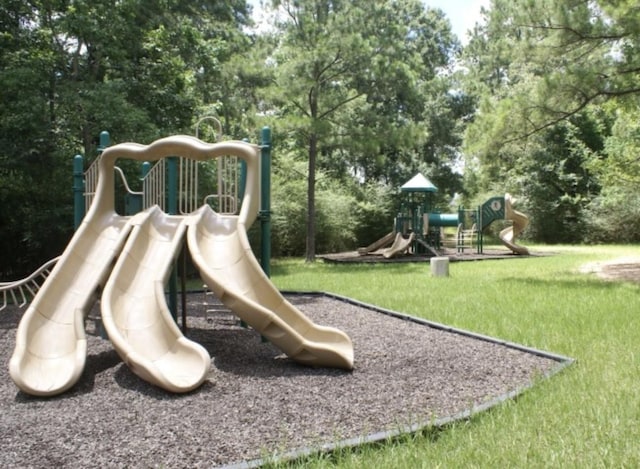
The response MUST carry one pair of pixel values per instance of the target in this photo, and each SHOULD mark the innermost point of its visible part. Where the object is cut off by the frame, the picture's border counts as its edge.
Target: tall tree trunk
(311, 199)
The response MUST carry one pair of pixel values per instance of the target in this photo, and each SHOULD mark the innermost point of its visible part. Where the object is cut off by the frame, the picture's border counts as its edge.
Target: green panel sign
(491, 210)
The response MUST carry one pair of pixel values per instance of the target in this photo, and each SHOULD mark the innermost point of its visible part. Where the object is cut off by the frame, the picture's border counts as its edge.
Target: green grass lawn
(586, 416)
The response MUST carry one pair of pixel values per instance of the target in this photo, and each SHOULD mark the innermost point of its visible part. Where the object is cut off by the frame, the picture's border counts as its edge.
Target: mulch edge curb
(437, 424)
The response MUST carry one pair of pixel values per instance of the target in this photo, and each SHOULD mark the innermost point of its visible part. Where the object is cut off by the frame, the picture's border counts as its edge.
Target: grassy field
(587, 416)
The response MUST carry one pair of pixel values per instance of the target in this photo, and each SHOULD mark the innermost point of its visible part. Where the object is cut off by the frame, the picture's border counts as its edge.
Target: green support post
(265, 200)
(480, 248)
(243, 179)
(79, 208)
(243, 176)
(105, 140)
(172, 206)
(146, 167)
(172, 185)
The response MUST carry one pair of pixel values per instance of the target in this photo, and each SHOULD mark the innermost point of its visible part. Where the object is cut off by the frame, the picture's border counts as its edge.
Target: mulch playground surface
(256, 403)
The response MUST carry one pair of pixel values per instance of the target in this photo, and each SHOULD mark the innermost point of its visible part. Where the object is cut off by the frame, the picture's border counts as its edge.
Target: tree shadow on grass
(575, 282)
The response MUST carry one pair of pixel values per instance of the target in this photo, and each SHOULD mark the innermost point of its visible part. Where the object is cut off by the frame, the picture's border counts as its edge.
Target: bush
(347, 215)
(614, 217)
(375, 213)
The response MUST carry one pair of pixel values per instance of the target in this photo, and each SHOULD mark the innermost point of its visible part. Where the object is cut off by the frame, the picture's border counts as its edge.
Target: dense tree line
(361, 95)
(69, 69)
(558, 83)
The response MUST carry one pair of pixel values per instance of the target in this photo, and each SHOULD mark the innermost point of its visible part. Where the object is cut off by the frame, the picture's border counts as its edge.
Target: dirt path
(626, 269)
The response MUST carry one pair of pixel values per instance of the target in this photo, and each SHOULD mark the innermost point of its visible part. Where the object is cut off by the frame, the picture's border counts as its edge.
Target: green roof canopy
(418, 183)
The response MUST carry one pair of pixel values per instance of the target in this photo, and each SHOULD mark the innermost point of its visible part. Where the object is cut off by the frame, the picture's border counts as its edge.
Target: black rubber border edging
(440, 423)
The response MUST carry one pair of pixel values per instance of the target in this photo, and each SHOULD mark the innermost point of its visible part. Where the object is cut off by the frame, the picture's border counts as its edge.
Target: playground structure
(418, 229)
(174, 184)
(130, 259)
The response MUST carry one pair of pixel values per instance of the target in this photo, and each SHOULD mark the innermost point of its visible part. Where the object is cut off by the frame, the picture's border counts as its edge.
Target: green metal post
(243, 176)
(480, 224)
(105, 140)
(172, 185)
(79, 208)
(265, 200)
(146, 167)
(172, 205)
(144, 172)
(243, 179)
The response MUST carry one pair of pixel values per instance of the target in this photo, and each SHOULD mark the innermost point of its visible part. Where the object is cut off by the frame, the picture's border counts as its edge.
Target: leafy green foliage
(375, 210)
(614, 213)
(547, 75)
(70, 70)
(545, 61)
(337, 214)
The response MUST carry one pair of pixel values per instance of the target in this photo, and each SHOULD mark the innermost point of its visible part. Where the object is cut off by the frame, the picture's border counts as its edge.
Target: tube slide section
(51, 344)
(135, 313)
(221, 250)
(520, 221)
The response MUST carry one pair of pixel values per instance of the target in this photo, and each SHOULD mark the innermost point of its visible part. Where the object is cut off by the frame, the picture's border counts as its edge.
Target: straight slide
(51, 344)
(221, 250)
(135, 313)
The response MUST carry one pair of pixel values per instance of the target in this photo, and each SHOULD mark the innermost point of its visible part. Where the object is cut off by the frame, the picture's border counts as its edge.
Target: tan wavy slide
(135, 313)
(399, 246)
(51, 345)
(509, 234)
(380, 243)
(221, 250)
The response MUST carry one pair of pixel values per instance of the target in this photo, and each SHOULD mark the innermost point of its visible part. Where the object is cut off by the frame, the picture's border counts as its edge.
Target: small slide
(382, 242)
(51, 345)
(135, 313)
(399, 246)
(221, 250)
(520, 221)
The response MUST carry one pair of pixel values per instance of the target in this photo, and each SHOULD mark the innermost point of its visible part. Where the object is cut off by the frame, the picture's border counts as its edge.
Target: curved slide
(51, 345)
(520, 221)
(399, 246)
(135, 313)
(221, 250)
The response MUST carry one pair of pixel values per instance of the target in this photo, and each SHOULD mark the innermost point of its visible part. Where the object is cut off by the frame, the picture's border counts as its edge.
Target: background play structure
(130, 259)
(419, 229)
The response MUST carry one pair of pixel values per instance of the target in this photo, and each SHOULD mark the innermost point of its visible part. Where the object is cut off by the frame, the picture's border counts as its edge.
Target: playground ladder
(466, 239)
